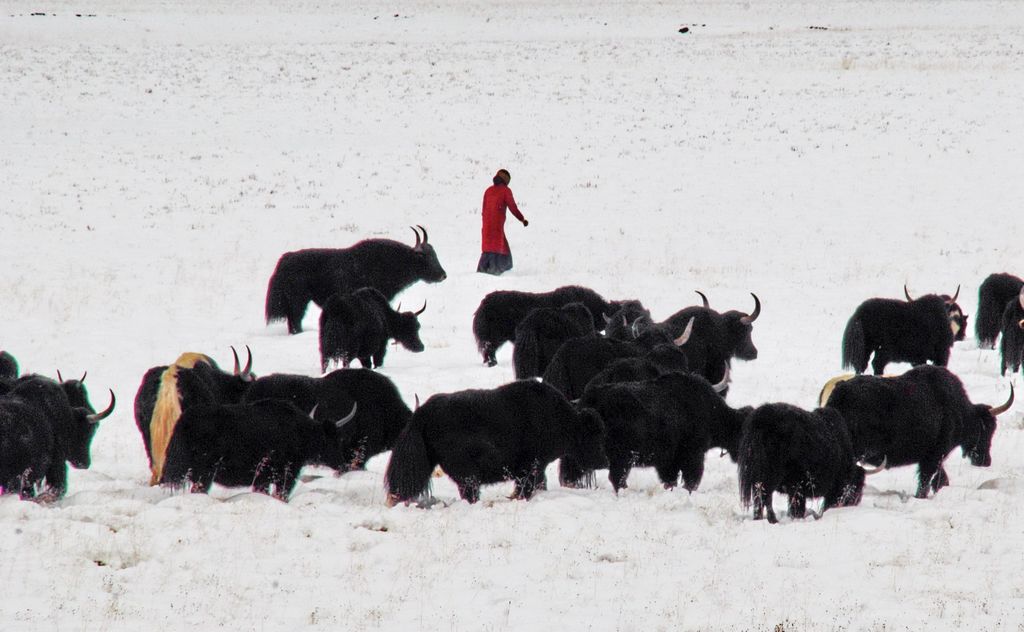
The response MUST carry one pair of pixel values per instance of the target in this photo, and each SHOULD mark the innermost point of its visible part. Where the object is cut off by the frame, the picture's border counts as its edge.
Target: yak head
(739, 328)
(586, 440)
(628, 319)
(430, 268)
(956, 315)
(84, 424)
(84, 420)
(405, 328)
(979, 426)
(578, 314)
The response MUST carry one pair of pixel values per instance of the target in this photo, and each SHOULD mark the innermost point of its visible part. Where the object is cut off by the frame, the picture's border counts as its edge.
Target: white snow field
(158, 157)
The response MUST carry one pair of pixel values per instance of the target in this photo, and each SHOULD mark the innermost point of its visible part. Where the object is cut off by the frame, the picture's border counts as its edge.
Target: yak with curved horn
(916, 418)
(317, 274)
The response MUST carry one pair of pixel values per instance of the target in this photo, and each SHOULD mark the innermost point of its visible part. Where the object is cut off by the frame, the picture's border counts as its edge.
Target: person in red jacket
(497, 257)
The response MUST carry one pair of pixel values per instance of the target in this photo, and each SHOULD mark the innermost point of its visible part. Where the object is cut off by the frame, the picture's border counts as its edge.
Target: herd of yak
(599, 385)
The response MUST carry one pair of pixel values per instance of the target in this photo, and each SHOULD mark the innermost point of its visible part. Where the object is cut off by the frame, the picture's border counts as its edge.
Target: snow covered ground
(158, 157)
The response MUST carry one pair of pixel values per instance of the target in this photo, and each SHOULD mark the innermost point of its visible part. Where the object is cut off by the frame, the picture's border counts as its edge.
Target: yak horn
(999, 410)
(746, 320)
(422, 309)
(98, 417)
(955, 294)
(1021, 297)
(312, 413)
(607, 318)
(681, 340)
(906, 293)
(60, 378)
(238, 367)
(347, 418)
(247, 371)
(869, 470)
(417, 398)
(703, 299)
(417, 245)
(723, 383)
(424, 234)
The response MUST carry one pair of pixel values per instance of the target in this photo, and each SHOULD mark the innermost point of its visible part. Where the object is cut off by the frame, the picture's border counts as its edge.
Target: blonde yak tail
(167, 411)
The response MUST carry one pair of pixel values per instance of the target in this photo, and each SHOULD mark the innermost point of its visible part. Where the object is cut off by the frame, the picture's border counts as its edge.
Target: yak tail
(277, 297)
(987, 322)
(409, 470)
(764, 442)
(855, 353)
(332, 338)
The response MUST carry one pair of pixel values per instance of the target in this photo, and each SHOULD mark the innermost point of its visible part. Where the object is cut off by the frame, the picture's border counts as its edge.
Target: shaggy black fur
(261, 444)
(359, 325)
(499, 313)
(917, 417)
(487, 436)
(898, 331)
(716, 339)
(40, 433)
(668, 422)
(798, 453)
(318, 273)
(543, 331)
(995, 293)
(8, 366)
(206, 383)
(381, 414)
(1012, 345)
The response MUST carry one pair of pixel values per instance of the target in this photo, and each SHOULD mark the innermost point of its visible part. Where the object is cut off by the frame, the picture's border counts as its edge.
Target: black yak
(259, 444)
(359, 325)
(495, 320)
(995, 293)
(917, 417)
(381, 417)
(479, 437)
(579, 360)
(166, 391)
(1012, 345)
(717, 337)
(40, 433)
(542, 332)
(798, 453)
(914, 331)
(668, 423)
(316, 274)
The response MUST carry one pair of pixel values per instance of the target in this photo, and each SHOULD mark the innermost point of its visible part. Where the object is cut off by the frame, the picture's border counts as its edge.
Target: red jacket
(497, 199)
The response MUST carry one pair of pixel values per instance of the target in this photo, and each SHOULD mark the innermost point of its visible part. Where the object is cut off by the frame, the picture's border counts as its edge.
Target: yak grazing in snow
(917, 417)
(480, 437)
(499, 313)
(315, 274)
(799, 453)
(359, 325)
(262, 444)
(381, 417)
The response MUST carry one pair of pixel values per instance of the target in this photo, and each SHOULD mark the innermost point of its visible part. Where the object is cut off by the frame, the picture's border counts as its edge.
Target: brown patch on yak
(167, 410)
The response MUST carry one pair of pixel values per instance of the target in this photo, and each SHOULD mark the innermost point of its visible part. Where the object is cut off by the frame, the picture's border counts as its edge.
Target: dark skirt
(494, 263)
